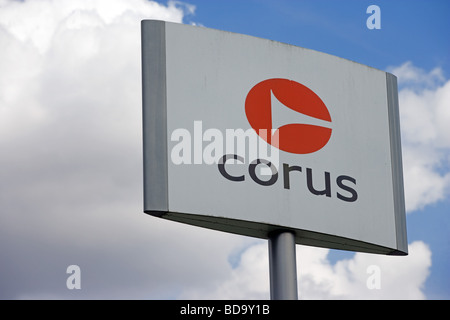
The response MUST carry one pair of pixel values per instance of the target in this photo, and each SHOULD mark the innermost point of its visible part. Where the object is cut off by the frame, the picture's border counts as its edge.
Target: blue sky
(71, 159)
(411, 30)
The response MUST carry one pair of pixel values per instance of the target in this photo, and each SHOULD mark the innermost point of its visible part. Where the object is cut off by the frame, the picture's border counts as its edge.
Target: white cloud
(248, 280)
(70, 141)
(425, 114)
(398, 277)
(38, 21)
(412, 76)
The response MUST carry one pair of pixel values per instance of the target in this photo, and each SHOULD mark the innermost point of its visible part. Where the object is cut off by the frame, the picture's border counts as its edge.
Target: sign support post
(282, 265)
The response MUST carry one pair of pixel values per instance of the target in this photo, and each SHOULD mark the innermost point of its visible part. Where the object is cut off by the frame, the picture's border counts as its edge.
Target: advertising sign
(248, 136)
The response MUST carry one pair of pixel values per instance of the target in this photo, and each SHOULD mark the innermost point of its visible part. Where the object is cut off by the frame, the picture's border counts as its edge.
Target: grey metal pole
(282, 266)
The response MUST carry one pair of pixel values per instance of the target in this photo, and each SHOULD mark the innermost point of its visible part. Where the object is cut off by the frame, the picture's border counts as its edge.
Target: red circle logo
(298, 138)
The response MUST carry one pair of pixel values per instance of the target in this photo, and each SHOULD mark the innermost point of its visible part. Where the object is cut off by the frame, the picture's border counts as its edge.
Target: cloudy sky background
(71, 152)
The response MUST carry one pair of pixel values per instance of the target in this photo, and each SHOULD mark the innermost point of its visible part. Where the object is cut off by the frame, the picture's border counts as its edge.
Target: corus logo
(298, 138)
(265, 103)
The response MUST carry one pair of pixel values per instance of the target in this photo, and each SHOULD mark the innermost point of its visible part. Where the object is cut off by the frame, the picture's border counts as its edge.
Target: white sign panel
(249, 136)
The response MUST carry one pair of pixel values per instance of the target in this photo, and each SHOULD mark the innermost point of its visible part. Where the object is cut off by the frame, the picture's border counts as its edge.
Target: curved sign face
(250, 136)
(298, 138)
